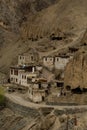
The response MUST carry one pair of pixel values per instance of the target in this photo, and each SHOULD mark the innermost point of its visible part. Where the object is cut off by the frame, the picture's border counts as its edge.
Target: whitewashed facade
(48, 61)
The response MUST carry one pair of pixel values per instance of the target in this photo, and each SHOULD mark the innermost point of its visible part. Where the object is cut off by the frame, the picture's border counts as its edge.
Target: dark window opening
(30, 69)
(60, 84)
(16, 80)
(56, 38)
(47, 92)
(45, 59)
(39, 86)
(15, 72)
(68, 88)
(72, 49)
(43, 98)
(11, 71)
(20, 57)
(9, 80)
(49, 85)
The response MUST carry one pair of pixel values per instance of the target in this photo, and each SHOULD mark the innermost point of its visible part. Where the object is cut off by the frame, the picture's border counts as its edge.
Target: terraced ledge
(26, 108)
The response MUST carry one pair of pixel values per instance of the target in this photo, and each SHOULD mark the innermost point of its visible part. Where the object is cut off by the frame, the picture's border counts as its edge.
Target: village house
(27, 78)
(19, 74)
(38, 91)
(58, 62)
(48, 61)
(26, 68)
(26, 59)
(28, 74)
(61, 61)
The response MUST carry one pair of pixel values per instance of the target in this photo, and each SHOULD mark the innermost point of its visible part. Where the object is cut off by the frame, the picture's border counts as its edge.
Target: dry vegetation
(2, 98)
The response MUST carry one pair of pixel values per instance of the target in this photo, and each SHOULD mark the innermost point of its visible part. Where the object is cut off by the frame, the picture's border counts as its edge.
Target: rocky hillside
(14, 13)
(12, 121)
(26, 24)
(75, 73)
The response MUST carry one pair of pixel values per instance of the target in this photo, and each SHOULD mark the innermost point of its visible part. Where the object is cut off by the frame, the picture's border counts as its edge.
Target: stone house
(48, 61)
(61, 61)
(58, 62)
(19, 74)
(37, 92)
(26, 59)
(27, 78)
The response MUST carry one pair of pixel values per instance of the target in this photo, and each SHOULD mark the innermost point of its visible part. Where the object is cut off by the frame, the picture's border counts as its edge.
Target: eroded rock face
(76, 71)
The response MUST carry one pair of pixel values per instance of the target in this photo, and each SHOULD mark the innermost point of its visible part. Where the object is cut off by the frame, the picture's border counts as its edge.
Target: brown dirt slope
(21, 21)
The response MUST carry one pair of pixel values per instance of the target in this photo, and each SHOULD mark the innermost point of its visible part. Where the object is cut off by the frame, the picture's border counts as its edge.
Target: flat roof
(22, 67)
(48, 56)
(58, 81)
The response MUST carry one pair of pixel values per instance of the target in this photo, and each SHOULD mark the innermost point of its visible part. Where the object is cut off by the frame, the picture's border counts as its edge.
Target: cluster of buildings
(58, 62)
(28, 73)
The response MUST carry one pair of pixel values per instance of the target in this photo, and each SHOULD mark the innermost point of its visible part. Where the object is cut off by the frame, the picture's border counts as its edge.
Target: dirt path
(75, 41)
(19, 100)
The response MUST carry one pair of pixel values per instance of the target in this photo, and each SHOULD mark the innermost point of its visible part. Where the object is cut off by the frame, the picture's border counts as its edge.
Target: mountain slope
(26, 24)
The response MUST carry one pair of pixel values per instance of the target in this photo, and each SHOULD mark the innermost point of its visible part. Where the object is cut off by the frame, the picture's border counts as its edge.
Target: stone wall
(33, 112)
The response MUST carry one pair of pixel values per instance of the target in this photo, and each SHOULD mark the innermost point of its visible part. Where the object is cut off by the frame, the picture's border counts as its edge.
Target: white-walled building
(19, 75)
(48, 61)
(26, 59)
(27, 78)
(37, 92)
(60, 62)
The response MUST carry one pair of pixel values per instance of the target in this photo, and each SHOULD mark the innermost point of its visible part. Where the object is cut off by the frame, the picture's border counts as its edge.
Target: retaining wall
(33, 113)
(23, 110)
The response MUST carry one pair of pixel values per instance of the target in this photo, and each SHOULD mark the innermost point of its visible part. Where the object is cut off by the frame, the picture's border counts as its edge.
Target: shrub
(2, 97)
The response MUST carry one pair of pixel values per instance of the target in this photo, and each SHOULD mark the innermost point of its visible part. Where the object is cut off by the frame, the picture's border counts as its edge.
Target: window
(16, 80)
(32, 58)
(20, 57)
(39, 86)
(11, 71)
(46, 59)
(15, 72)
(68, 87)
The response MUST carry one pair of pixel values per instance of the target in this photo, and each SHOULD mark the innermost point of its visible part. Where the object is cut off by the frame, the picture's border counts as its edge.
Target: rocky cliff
(75, 73)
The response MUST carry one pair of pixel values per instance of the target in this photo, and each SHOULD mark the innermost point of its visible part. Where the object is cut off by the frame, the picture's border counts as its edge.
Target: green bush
(2, 97)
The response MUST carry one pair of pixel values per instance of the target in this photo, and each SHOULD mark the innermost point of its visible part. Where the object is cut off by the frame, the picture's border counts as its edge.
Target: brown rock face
(76, 71)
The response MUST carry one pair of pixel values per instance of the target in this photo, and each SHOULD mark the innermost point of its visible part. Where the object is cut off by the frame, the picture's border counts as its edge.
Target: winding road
(61, 47)
(21, 101)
